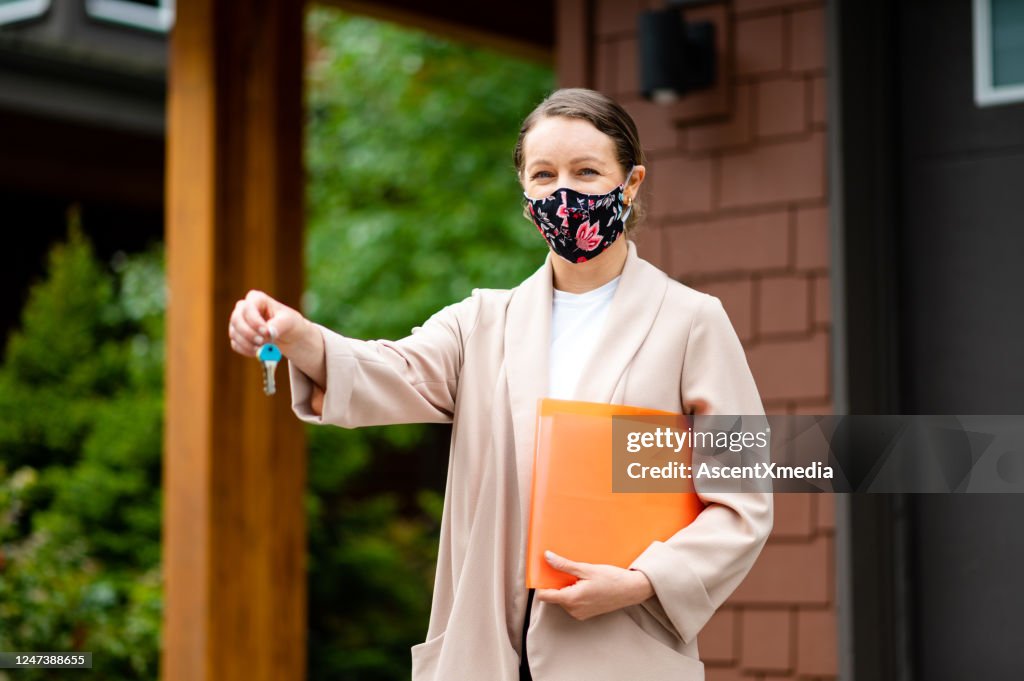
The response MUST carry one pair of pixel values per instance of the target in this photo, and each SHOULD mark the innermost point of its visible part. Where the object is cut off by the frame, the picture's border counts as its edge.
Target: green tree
(413, 198)
(413, 202)
(81, 395)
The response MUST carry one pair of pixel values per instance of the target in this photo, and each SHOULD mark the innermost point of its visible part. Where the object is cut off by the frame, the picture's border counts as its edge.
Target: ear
(635, 180)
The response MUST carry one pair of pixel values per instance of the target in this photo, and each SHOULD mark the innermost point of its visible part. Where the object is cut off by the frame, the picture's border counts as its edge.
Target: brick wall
(737, 207)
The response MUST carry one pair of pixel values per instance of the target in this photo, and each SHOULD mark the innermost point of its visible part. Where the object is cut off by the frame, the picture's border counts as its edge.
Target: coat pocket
(661, 641)
(654, 624)
(425, 658)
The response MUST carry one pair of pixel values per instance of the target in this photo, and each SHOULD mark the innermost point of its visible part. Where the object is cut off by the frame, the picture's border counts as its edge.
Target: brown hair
(603, 113)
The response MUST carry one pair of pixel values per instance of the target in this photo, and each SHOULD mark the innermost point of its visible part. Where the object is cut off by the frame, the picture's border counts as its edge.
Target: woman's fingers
(258, 309)
(565, 565)
(243, 348)
(240, 328)
(247, 327)
(287, 323)
(253, 319)
(242, 341)
(255, 326)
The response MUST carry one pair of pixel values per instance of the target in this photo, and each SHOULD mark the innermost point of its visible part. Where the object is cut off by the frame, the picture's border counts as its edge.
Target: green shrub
(81, 395)
(412, 203)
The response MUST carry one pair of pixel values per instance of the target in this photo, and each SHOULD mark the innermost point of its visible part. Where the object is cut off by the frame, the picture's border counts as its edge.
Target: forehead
(560, 138)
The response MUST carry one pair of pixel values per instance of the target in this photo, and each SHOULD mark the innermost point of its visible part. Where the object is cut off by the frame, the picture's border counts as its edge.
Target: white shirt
(576, 321)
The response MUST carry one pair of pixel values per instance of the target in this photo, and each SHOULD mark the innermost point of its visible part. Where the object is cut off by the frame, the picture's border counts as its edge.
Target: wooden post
(573, 43)
(235, 459)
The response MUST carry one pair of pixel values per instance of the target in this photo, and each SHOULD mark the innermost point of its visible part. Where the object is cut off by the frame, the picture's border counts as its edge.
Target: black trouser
(524, 664)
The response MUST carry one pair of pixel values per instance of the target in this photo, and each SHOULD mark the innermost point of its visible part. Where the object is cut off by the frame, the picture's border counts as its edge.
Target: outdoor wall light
(676, 57)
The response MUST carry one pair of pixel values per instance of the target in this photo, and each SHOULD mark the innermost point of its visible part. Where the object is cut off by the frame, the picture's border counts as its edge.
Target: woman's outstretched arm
(351, 383)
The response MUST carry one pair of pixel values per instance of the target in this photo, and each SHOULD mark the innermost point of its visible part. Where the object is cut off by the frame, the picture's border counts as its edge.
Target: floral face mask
(579, 226)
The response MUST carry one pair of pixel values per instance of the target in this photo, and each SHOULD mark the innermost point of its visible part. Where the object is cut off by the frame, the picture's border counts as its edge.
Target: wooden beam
(574, 37)
(234, 459)
(520, 30)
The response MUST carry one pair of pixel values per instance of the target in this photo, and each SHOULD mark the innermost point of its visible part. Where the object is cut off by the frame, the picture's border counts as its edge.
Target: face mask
(580, 226)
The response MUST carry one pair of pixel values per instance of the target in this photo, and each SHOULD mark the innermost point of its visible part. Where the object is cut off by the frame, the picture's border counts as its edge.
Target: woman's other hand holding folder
(599, 588)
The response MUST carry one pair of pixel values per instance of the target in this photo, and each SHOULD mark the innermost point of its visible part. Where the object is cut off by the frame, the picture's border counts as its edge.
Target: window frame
(986, 93)
(20, 10)
(158, 19)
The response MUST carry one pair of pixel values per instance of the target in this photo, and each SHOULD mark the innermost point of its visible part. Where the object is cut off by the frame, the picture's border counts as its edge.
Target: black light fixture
(676, 57)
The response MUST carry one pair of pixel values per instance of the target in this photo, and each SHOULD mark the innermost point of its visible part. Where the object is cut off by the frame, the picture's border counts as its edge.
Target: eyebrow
(578, 159)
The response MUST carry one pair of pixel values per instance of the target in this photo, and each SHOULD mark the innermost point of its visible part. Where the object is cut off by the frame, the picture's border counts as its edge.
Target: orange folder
(573, 510)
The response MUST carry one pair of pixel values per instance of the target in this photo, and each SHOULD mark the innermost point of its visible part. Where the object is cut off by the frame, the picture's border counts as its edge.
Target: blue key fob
(269, 353)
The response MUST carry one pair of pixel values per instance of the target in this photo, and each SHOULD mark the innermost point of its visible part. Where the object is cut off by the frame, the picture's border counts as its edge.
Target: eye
(588, 171)
(540, 174)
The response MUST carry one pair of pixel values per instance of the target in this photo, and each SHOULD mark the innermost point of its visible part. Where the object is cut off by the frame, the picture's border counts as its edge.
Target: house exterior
(82, 99)
(849, 187)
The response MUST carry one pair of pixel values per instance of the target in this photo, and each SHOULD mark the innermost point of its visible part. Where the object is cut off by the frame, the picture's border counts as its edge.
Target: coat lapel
(631, 314)
(527, 341)
(528, 338)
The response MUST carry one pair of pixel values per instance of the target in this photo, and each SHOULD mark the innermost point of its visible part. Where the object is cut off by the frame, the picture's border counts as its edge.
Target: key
(269, 355)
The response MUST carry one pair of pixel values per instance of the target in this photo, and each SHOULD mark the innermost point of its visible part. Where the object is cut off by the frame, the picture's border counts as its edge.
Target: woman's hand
(600, 588)
(259, 319)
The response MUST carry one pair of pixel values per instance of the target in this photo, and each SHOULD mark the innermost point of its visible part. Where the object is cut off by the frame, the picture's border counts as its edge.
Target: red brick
(766, 640)
(737, 299)
(812, 407)
(571, 44)
(819, 99)
(606, 67)
(615, 16)
(657, 130)
(759, 45)
(794, 515)
(812, 247)
(807, 40)
(718, 638)
(744, 6)
(781, 109)
(822, 300)
(777, 407)
(745, 243)
(817, 643)
(650, 245)
(680, 185)
(627, 68)
(825, 511)
(788, 574)
(736, 131)
(727, 674)
(783, 305)
(774, 173)
(791, 369)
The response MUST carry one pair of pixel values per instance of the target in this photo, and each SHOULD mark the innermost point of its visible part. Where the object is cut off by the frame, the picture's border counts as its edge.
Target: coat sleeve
(380, 382)
(695, 570)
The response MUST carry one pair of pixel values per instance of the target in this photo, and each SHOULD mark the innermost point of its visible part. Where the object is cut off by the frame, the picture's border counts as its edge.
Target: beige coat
(481, 364)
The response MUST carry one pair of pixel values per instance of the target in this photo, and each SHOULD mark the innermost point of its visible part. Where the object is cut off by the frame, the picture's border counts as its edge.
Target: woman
(595, 322)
